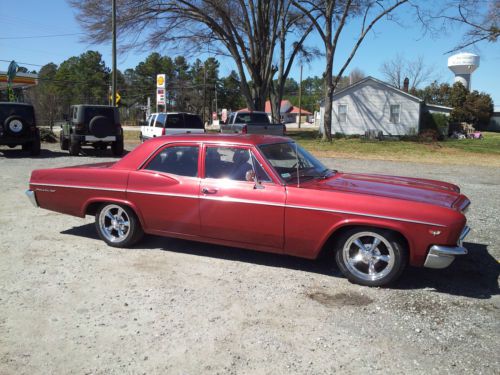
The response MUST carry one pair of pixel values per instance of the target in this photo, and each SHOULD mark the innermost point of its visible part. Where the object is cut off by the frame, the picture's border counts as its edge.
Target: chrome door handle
(208, 191)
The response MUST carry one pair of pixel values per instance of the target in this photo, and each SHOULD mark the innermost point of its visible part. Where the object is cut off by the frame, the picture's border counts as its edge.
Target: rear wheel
(74, 148)
(370, 256)
(35, 145)
(117, 147)
(63, 142)
(118, 225)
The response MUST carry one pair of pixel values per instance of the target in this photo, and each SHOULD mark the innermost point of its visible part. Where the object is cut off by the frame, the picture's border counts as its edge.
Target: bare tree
(481, 19)
(399, 68)
(330, 18)
(247, 31)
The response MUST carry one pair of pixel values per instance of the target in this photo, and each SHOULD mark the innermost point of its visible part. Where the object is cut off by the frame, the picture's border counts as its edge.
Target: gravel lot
(70, 304)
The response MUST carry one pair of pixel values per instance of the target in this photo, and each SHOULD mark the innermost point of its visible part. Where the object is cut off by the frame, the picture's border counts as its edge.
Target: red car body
(292, 218)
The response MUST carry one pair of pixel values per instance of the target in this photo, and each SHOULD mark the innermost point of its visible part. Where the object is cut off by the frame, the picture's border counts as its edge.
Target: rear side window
(193, 121)
(160, 120)
(179, 160)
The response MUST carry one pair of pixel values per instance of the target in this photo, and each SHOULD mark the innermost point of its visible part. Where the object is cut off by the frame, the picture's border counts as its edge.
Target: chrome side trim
(248, 201)
(442, 256)
(367, 215)
(32, 197)
(162, 194)
(80, 187)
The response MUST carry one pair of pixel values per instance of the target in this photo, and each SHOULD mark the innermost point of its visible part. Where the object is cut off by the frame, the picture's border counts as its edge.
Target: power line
(40, 36)
(24, 63)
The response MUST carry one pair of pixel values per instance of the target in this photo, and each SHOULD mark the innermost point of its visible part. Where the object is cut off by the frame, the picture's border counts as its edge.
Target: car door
(234, 209)
(165, 190)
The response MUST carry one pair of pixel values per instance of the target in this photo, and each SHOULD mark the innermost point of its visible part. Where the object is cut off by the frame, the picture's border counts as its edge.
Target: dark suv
(96, 125)
(18, 127)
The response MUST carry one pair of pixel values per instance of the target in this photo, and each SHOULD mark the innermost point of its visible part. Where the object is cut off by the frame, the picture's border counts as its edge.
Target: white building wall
(368, 108)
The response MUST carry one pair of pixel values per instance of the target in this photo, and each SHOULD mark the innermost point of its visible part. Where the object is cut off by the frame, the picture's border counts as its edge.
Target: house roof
(370, 78)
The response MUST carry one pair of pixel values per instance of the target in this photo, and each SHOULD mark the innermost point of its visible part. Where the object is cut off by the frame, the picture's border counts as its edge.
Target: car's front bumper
(32, 197)
(442, 256)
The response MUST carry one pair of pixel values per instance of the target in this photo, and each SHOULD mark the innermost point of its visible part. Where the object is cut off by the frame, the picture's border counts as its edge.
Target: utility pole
(204, 88)
(216, 109)
(113, 73)
(300, 94)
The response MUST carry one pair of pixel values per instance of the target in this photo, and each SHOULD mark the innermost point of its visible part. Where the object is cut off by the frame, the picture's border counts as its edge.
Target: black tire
(117, 147)
(381, 260)
(74, 148)
(63, 142)
(118, 225)
(14, 125)
(36, 145)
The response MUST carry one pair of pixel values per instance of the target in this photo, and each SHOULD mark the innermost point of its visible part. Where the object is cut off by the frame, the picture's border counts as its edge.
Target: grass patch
(485, 152)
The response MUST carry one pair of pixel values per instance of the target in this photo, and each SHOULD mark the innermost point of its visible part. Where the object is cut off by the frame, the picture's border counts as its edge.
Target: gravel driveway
(71, 304)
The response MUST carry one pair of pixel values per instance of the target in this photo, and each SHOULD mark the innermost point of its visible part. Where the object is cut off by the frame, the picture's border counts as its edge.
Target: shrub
(47, 135)
(429, 135)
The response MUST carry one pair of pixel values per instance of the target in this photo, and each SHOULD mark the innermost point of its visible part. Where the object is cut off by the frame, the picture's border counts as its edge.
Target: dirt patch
(340, 299)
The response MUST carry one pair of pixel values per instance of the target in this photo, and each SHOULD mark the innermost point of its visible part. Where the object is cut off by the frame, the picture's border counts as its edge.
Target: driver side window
(231, 163)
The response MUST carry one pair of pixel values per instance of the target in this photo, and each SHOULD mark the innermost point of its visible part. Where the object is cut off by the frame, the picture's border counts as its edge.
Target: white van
(165, 123)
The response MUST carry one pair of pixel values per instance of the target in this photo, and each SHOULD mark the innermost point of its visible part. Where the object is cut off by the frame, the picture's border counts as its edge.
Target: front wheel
(370, 256)
(118, 225)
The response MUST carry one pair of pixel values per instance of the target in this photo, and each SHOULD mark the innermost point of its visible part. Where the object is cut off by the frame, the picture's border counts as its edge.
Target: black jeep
(96, 125)
(18, 127)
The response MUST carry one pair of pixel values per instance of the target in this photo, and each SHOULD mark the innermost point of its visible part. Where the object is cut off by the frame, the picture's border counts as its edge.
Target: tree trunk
(327, 119)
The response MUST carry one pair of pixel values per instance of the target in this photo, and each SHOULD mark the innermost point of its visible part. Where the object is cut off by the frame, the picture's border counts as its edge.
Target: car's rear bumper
(91, 138)
(21, 140)
(32, 197)
(442, 256)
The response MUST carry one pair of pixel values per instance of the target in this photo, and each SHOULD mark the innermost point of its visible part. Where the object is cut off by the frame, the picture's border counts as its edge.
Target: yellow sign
(118, 97)
(160, 81)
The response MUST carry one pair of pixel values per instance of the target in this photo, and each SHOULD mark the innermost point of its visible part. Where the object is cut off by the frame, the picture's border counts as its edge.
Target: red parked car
(264, 193)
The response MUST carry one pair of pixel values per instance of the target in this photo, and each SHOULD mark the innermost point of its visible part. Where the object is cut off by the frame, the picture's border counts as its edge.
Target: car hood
(406, 188)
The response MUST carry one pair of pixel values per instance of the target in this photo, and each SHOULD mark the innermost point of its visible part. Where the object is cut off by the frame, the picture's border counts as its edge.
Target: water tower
(463, 65)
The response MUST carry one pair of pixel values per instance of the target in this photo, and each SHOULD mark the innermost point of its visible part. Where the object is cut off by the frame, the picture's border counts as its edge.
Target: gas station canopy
(21, 80)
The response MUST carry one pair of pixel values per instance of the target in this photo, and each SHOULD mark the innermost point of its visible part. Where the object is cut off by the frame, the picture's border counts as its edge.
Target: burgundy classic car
(264, 193)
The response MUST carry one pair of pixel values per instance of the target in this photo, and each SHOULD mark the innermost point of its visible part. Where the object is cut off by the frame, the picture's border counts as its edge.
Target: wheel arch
(328, 245)
(91, 207)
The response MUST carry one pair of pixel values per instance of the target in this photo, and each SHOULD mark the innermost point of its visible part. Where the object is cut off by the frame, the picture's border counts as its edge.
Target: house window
(395, 113)
(342, 113)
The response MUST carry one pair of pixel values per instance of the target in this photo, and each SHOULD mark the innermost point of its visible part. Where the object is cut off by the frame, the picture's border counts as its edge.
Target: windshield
(292, 163)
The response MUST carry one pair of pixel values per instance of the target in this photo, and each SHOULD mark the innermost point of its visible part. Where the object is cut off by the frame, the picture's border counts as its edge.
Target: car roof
(137, 156)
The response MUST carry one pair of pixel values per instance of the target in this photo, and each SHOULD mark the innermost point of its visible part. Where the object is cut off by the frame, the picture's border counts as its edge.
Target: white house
(373, 105)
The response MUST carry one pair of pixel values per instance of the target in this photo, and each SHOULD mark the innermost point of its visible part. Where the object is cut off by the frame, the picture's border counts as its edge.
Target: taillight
(80, 126)
(163, 131)
(244, 130)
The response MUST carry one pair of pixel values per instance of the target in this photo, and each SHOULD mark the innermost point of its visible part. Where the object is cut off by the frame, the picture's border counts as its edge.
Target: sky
(28, 27)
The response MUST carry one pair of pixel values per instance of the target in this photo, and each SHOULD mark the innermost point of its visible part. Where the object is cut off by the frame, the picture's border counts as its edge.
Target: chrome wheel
(368, 255)
(114, 223)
